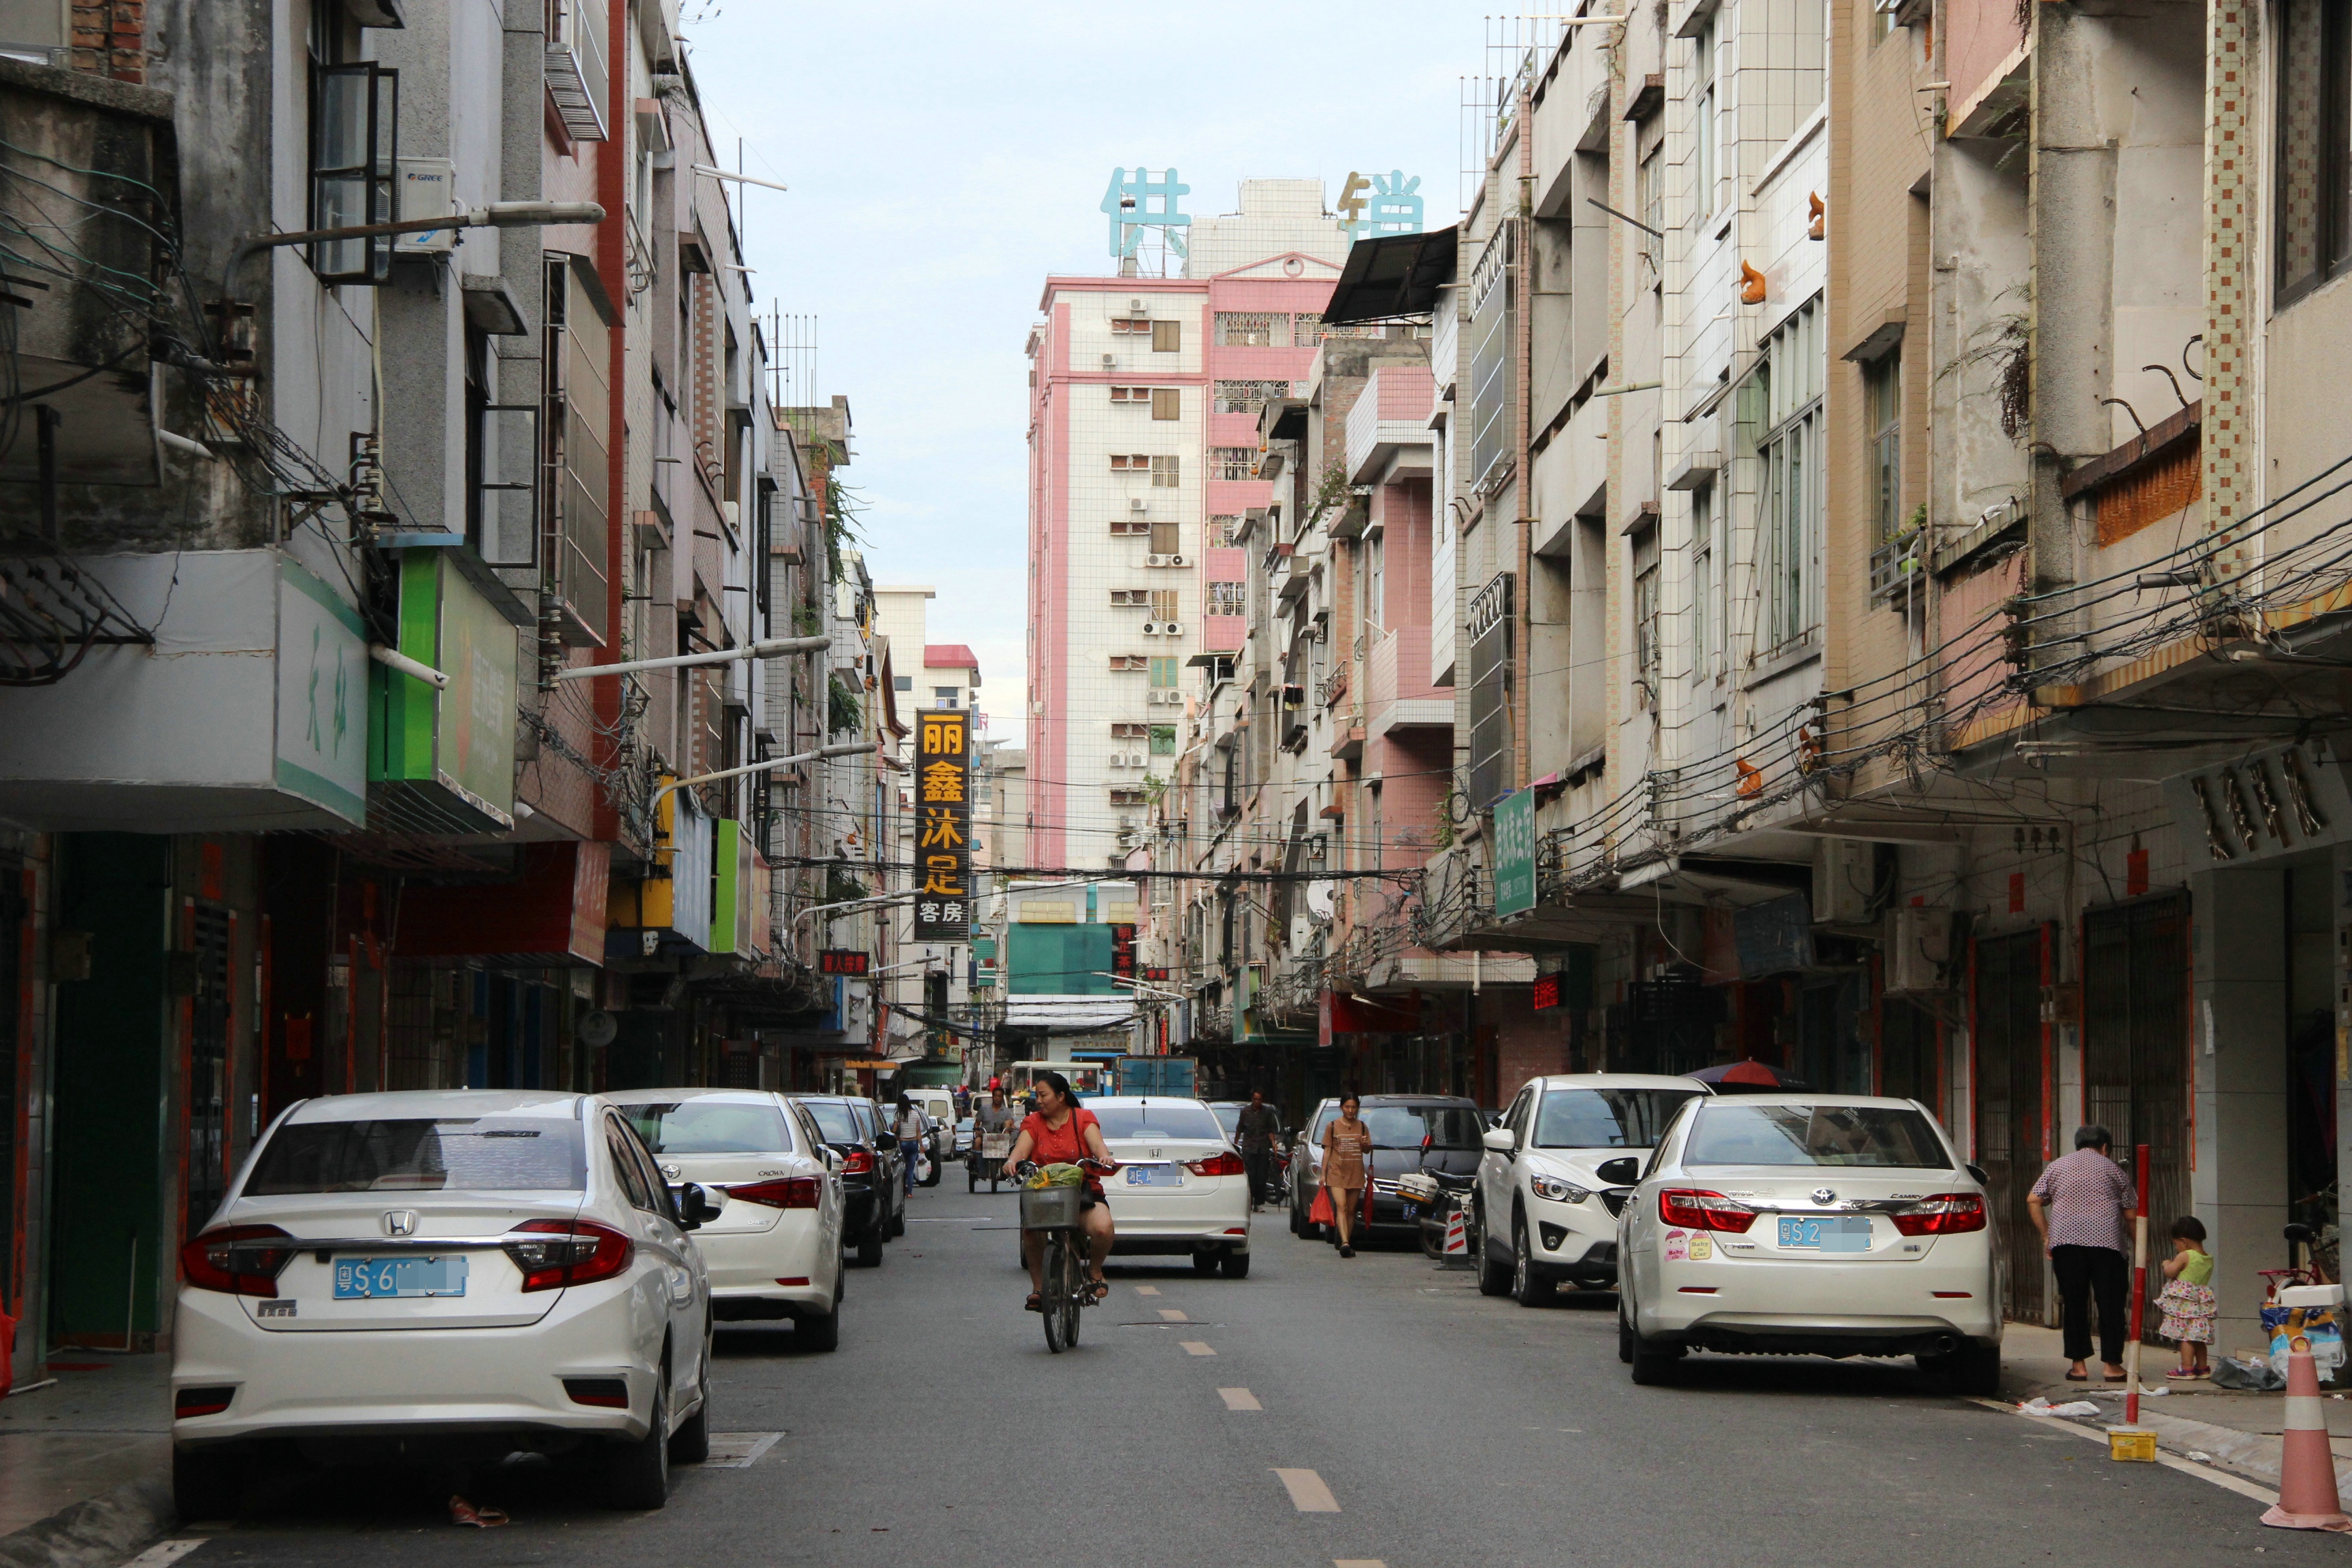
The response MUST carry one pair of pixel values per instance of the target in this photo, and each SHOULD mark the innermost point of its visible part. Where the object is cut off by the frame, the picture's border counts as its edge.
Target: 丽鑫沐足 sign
(943, 825)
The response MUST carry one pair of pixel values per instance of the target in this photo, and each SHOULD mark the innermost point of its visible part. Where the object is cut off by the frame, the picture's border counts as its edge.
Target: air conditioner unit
(1155, 561)
(1918, 948)
(1110, 362)
(1135, 503)
(1177, 561)
(1844, 872)
(1135, 306)
(1151, 628)
(1172, 629)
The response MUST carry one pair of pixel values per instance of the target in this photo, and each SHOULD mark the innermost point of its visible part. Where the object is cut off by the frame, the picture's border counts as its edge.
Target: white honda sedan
(1182, 1189)
(775, 1251)
(461, 1274)
(1809, 1223)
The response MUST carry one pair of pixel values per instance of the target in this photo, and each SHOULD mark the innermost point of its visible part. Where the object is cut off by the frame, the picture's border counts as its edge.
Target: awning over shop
(551, 913)
(1393, 275)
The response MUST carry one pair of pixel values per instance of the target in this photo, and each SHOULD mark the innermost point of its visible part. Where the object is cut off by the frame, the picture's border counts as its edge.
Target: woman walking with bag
(1347, 1172)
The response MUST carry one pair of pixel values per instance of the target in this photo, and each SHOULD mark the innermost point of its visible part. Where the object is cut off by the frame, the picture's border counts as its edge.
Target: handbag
(1320, 1211)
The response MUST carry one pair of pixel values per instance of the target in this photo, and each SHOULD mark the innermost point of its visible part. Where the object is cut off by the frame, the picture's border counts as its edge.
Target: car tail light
(795, 1279)
(1945, 1214)
(610, 1392)
(783, 1193)
(1695, 1209)
(554, 1253)
(1224, 1163)
(857, 1162)
(190, 1402)
(239, 1259)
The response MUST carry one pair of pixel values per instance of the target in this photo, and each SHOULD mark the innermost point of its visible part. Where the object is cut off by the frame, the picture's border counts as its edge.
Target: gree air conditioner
(1918, 950)
(1844, 872)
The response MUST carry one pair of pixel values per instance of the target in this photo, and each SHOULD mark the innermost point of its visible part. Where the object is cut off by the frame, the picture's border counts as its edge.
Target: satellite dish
(599, 1029)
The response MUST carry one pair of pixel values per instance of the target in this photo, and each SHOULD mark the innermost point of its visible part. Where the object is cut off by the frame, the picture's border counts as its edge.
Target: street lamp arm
(773, 647)
(498, 214)
(854, 747)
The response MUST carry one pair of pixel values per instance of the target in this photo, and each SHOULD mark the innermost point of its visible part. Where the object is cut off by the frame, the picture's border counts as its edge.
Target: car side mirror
(1501, 1140)
(831, 1159)
(697, 1204)
(1977, 1174)
(1621, 1172)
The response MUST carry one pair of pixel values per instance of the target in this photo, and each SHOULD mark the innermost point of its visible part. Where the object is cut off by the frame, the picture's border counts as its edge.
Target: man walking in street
(2080, 1205)
(1255, 1132)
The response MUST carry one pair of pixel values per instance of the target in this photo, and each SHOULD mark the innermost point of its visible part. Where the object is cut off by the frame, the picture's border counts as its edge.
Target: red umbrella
(1749, 1077)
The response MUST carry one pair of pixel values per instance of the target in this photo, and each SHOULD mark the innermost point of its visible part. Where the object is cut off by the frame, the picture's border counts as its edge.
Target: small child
(2188, 1300)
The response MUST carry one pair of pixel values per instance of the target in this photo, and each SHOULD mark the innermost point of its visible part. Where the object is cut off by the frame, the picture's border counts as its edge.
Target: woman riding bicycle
(1059, 1131)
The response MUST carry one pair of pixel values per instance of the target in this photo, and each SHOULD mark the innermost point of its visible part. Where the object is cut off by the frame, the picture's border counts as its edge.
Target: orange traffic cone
(2307, 1499)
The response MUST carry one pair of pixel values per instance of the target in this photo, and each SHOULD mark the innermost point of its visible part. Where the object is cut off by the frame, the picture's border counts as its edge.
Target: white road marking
(1307, 1492)
(2220, 1478)
(1240, 1399)
(739, 1450)
(1357, 1563)
(1171, 1315)
(164, 1551)
(1146, 1290)
(1194, 1347)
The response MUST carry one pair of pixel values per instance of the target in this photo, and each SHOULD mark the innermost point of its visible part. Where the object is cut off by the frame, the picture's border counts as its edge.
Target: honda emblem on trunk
(1824, 1196)
(400, 1222)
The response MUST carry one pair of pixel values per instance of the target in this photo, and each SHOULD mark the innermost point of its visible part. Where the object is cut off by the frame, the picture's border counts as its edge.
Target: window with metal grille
(1163, 604)
(1165, 473)
(1130, 595)
(1130, 393)
(1245, 396)
(1882, 385)
(1780, 411)
(2313, 221)
(1130, 664)
(1120, 325)
(1232, 462)
(1646, 633)
(1222, 529)
(1241, 329)
(1490, 628)
(1225, 599)
(1130, 462)
(1490, 358)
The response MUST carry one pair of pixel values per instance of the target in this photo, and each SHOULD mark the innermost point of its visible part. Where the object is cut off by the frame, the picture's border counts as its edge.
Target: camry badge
(400, 1222)
(672, 1171)
(1824, 1196)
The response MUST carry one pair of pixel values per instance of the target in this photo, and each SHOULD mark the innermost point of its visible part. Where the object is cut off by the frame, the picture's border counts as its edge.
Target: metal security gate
(2007, 1020)
(2136, 1041)
(208, 1024)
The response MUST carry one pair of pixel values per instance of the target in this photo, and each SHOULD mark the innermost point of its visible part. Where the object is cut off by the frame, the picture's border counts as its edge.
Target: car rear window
(1418, 1126)
(1157, 1121)
(475, 1153)
(1605, 1118)
(1229, 1117)
(711, 1127)
(1815, 1135)
(835, 1120)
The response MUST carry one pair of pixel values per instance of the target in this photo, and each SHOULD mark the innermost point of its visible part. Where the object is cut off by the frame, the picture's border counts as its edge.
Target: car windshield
(1229, 1117)
(710, 1127)
(1158, 1121)
(471, 1153)
(1815, 1135)
(1605, 1118)
(835, 1120)
(1419, 1126)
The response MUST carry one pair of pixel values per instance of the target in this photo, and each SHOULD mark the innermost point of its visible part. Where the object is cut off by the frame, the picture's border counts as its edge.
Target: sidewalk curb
(95, 1533)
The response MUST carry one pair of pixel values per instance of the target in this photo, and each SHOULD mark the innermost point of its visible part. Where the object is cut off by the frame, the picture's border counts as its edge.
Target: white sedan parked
(1802, 1223)
(462, 1273)
(1182, 1189)
(775, 1251)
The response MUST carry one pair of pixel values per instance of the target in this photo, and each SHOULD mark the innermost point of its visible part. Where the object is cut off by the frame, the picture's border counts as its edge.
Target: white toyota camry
(1809, 1223)
(775, 1251)
(452, 1275)
(1182, 1189)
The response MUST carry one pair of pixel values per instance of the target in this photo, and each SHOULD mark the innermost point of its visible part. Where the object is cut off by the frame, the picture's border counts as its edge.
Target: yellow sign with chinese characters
(943, 825)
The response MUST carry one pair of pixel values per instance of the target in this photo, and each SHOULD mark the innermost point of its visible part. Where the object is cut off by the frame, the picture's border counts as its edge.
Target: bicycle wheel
(1074, 1282)
(1060, 1320)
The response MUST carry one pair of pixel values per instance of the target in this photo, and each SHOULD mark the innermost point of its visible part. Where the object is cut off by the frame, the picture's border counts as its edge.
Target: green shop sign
(443, 762)
(1515, 853)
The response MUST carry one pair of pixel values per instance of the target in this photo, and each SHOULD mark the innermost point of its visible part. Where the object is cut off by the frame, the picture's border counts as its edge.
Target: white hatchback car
(775, 1251)
(1181, 1188)
(1556, 1174)
(1809, 1223)
(457, 1273)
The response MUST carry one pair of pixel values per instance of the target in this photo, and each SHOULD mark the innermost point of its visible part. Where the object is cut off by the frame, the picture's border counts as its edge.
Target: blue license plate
(1824, 1235)
(373, 1279)
(1154, 1176)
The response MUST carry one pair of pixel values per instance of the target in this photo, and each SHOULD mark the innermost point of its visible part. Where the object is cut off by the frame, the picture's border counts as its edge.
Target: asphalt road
(1389, 1414)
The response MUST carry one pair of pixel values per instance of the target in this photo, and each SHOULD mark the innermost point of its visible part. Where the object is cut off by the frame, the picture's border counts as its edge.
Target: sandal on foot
(1036, 1303)
(2078, 1377)
(1101, 1289)
(2178, 1372)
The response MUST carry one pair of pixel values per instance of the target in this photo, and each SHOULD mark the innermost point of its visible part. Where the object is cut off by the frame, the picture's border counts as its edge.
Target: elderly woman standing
(1346, 1153)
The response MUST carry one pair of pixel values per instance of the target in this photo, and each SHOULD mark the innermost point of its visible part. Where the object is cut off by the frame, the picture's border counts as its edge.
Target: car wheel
(637, 1475)
(936, 1172)
(870, 1245)
(1494, 1279)
(1236, 1264)
(1528, 1289)
(1973, 1371)
(1204, 1263)
(206, 1483)
(1651, 1364)
(1298, 1222)
(1624, 1337)
(690, 1444)
(819, 1333)
(898, 1221)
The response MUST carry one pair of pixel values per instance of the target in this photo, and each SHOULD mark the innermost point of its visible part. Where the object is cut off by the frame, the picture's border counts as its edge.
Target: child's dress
(2188, 1302)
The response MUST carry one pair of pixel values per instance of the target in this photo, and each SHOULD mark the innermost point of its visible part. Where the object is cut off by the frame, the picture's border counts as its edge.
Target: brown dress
(1346, 1147)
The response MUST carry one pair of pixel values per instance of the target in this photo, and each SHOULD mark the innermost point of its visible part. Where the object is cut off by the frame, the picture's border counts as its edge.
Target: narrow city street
(1387, 1413)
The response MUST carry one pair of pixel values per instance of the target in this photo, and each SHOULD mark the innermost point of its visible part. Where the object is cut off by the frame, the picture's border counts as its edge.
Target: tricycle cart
(986, 1160)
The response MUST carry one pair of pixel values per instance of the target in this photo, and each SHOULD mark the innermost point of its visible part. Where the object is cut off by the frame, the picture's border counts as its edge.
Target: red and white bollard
(2307, 1499)
(1458, 1236)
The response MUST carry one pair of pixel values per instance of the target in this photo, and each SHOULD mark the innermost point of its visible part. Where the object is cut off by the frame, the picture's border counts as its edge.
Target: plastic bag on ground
(2233, 1371)
(2037, 1405)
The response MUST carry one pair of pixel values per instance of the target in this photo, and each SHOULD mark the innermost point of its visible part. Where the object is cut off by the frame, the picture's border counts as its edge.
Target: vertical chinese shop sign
(942, 826)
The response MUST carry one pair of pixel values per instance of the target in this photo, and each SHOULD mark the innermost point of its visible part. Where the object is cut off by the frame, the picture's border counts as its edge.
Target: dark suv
(873, 1183)
(1434, 1132)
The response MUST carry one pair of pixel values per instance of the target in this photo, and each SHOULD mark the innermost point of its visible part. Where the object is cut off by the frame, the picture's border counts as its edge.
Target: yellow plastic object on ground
(2131, 1443)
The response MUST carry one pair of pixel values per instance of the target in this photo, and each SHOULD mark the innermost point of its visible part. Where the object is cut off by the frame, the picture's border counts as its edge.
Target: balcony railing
(577, 81)
(1895, 564)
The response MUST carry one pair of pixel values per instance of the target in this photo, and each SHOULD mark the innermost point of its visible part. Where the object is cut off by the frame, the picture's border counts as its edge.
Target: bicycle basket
(1050, 1208)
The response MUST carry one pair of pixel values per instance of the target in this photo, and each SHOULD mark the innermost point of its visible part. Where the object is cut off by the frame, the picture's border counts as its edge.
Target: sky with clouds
(943, 159)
